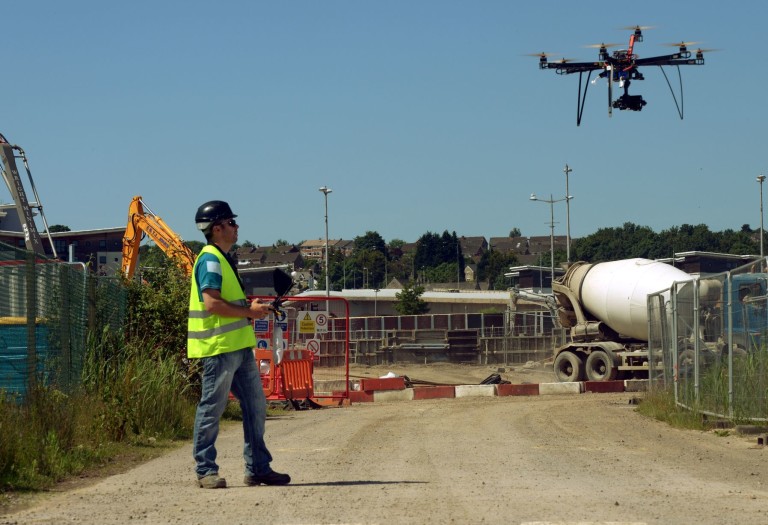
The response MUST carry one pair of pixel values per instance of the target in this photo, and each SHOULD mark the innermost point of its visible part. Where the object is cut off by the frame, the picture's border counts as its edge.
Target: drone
(622, 67)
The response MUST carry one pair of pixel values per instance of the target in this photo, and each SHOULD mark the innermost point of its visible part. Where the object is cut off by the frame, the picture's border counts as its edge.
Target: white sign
(313, 345)
(321, 321)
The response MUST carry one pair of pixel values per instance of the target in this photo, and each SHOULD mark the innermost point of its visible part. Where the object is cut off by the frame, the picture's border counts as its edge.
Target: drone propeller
(636, 28)
(680, 44)
(540, 55)
(601, 46)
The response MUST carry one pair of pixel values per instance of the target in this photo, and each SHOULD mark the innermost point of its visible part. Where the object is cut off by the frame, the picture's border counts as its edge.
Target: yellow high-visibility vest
(210, 334)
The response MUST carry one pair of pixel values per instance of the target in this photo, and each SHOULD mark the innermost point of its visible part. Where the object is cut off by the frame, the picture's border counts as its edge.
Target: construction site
(51, 300)
(601, 322)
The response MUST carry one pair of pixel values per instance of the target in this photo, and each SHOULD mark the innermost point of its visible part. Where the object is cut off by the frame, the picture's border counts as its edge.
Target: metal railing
(506, 338)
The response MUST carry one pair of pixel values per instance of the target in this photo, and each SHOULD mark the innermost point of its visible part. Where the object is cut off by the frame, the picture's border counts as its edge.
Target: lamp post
(551, 203)
(326, 190)
(365, 277)
(760, 180)
(568, 198)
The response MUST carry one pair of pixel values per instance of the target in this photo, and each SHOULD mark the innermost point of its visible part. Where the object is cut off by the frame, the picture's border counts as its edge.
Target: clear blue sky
(420, 115)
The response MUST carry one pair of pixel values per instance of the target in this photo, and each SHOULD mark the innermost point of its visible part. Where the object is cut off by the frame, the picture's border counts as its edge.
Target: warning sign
(262, 343)
(306, 324)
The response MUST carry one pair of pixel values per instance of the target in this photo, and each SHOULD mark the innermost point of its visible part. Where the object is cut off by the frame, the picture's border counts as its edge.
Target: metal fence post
(31, 307)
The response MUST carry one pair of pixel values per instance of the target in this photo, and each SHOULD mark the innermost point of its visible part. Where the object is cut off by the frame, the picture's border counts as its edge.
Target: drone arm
(562, 68)
(677, 59)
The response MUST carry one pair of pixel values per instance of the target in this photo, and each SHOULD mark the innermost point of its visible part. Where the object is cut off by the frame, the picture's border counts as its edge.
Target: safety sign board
(321, 321)
(306, 323)
(280, 315)
(313, 345)
(261, 326)
(313, 322)
(262, 343)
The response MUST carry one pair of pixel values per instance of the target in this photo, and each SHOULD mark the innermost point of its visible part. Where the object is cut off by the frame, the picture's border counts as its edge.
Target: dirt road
(585, 458)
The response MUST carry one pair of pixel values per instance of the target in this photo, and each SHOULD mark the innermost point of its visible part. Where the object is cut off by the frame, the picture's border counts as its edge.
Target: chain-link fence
(47, 310)
(708, 340)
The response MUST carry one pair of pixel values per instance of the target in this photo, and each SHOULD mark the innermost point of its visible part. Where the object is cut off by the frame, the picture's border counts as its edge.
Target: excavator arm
(142, 221)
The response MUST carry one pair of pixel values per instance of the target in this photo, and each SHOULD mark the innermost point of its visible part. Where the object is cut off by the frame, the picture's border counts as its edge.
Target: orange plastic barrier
(296, 374)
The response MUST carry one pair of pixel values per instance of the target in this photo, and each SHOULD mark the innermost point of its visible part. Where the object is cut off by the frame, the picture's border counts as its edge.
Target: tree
(399, 264)
(370, 257)
(56, 228)
(432, 250)
(371, 241)
(515, 232)
(610, 244)
(493, 265)
(443, 273)
(409, 301)
(396, 245)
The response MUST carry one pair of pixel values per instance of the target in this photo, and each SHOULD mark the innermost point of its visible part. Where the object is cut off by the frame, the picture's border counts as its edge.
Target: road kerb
(475, 390)
(560, 388)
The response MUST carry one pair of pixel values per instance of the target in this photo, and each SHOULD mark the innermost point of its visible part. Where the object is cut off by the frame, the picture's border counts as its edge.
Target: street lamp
(761, 179)
(365, 277)
(326, 190)
(568, 198)
(551, 202)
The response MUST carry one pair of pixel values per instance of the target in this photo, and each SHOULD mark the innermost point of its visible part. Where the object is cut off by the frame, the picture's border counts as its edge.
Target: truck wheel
(600, 367)
(569, 368)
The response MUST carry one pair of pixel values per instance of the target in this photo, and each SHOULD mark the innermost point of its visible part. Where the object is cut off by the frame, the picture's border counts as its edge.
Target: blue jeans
(235, 371)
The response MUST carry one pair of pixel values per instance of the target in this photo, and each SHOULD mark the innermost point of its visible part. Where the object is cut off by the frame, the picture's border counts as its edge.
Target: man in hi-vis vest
(219, 333)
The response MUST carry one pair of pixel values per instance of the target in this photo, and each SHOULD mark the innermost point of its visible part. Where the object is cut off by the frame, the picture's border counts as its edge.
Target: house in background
(473, 247)
(315, 248)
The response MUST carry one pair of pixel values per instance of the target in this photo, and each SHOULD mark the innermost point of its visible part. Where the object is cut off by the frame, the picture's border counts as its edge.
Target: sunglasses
(230, 222)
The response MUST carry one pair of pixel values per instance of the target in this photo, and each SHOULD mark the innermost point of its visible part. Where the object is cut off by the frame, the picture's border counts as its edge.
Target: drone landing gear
(631, 102)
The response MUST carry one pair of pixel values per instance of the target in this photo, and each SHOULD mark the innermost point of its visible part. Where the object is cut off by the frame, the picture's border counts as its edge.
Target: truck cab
(748, 296)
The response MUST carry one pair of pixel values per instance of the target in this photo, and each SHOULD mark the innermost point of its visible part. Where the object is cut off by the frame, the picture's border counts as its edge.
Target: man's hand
(260, 310)
(216, 305)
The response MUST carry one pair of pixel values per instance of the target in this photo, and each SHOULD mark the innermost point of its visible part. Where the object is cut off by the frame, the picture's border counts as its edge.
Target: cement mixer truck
(605, 307)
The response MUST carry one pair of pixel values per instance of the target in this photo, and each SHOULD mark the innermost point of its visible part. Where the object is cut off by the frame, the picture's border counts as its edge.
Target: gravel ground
(584, 459)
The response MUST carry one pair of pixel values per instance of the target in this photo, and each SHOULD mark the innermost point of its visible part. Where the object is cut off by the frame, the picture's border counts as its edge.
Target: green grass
(132, 395)
(660, 404)
(134, 403)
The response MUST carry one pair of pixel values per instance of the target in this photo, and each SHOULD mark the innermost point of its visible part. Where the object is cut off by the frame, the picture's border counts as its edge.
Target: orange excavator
(142, 221)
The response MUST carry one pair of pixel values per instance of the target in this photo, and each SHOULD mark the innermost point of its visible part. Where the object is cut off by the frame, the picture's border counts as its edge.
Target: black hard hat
(211, 212)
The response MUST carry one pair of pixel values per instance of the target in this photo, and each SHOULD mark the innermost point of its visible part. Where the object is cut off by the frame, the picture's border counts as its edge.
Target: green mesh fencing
(47, 310)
